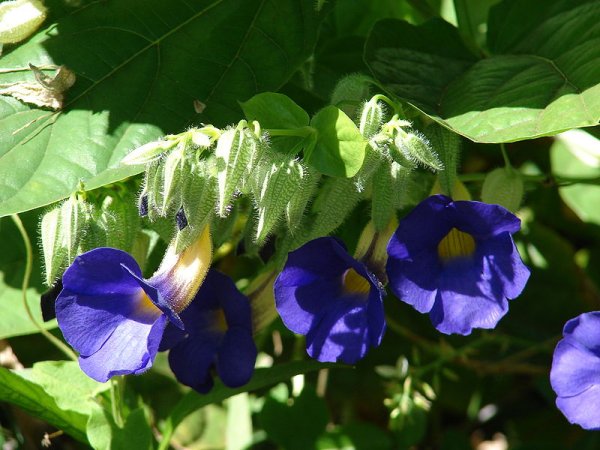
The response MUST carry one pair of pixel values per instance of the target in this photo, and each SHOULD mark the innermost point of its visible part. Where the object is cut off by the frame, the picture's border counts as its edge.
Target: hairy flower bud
(235, 149)
(62, 230)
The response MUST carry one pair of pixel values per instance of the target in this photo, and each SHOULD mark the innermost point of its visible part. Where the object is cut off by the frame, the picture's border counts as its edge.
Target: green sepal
(296, 207)
(281, 180)
(447, 145)
(416, 148)
(336, 199)
(115, 223)
(235, 151)
(62, 230)
(153, 188)
(172, 175)
(198, 196)
(371, 118)
(383, 196)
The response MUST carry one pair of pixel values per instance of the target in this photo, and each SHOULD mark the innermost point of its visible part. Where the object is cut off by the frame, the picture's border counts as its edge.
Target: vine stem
(25, 285)
(505, 156)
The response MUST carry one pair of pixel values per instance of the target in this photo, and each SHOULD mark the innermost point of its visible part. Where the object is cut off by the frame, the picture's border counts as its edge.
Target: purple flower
(218, 334)
(114, 318)
(575, 374)
(331, 298)
(456, 260)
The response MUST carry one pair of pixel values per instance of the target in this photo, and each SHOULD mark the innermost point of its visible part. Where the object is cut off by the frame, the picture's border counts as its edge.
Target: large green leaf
(262, 378)
(543, 76)
(141, 65)
(54, 391)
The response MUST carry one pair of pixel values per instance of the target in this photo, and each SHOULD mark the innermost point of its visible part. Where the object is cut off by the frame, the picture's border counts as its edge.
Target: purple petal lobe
(574, 370)
(98, 272)
(502, 257)
(236, 357)
(131, 349)
(341, 335)
(422, 229)
(468, 298)
(584, 331)
(483, 220)
(582, 409)
(88, 321)
(191, 361)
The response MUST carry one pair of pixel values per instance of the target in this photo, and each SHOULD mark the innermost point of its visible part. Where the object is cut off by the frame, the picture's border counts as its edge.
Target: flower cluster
(455, 260)
(117, 321)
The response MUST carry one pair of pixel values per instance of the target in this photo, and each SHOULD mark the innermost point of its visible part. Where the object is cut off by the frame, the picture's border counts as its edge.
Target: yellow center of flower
(456, 244)
(355, 284)
(220, 323)
(144, 306)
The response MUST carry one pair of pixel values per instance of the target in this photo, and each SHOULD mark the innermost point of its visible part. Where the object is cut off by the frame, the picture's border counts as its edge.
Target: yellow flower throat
(354, 283)
(456, 244)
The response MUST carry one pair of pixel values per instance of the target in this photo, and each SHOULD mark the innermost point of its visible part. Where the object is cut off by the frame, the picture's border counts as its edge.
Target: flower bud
(197, 202)
(281, 181)
(19, 19)
(416, 148)
(371, 118)
(235, 149)
(62, 230)
(149, 152)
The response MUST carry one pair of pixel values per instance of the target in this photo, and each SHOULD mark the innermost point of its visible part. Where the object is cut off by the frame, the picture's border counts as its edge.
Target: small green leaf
(54, 391)
(273, 110)
(503, 186)
(340, 148)
(104, 434)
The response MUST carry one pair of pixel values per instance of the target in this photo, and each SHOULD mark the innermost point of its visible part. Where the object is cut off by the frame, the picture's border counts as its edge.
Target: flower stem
(505, 156)
(116, 397)
(25, 285)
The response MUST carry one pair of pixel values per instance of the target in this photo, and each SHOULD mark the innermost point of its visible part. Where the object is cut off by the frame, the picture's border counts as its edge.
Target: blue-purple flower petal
(218, 334)
(236, 357)
(463, 291)
(99, 272)
(311, 298)
(575, 373)
(131, 349)
(582, 409)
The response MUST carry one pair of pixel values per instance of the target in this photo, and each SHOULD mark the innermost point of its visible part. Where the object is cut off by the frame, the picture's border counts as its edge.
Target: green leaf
(577, 154)
(273, 110)
(54, 391)
(14, 320)
(542, 78)
(340, 148)
(140, 66)
(104, 434)
(262, 378)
